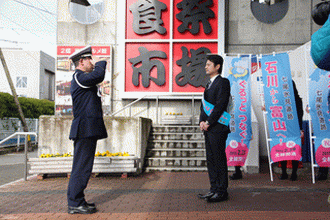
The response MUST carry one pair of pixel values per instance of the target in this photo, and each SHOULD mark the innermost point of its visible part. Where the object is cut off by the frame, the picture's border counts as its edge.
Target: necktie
(208, 84)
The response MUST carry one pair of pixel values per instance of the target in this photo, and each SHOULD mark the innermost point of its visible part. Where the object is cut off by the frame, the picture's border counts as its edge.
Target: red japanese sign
(192, 52)
(96, 50)
(195, 19)
(148, 19)
(147, 67)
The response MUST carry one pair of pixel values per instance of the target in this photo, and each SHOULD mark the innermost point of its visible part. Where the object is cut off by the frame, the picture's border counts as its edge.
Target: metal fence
(10, 126)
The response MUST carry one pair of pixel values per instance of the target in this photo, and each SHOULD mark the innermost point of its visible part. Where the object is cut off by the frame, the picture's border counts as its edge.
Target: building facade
(32, 73)
(169, 40)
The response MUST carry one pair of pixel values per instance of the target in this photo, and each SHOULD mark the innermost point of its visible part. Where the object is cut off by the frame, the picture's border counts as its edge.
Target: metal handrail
(25, 147)
(157, 105)
(129, 105)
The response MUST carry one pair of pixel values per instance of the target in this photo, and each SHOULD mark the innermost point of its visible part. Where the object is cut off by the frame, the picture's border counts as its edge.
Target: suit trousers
(215, 144)
(83, 160)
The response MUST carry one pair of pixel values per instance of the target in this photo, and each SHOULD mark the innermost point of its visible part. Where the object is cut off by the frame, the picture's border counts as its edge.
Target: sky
(29, 24)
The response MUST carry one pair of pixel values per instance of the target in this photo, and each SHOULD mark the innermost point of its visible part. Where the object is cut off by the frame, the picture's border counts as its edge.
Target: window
(21, 82)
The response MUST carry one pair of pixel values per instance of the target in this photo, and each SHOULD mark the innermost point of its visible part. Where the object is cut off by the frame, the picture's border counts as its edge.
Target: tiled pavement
(170, 195)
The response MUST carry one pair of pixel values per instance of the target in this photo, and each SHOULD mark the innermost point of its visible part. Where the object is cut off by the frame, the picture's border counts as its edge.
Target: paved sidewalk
(170, 195)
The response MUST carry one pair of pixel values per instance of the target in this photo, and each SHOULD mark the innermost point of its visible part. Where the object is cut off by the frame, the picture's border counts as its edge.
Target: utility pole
(11, 84)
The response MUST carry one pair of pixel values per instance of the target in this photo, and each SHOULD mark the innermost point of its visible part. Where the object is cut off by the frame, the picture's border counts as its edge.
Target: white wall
(30, 64)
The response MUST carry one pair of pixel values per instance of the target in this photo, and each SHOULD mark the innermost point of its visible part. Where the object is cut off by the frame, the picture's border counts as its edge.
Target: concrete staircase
(176, 148)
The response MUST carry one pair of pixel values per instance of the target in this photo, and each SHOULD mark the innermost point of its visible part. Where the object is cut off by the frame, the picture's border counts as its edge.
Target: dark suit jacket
(218, 95)
(87, 107)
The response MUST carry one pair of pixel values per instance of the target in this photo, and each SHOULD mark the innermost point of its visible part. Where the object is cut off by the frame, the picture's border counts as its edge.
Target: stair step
(148, 169)
(178, 153)
(178, 141)
(176, 149)
(175, 126)
(176, 162)
(177, 158)
(170, 145)
(176, 133)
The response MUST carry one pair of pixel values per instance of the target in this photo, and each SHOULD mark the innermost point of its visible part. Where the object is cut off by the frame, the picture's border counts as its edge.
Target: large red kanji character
(276, 111)
(271, 67)
(277, 126)
(272, 81)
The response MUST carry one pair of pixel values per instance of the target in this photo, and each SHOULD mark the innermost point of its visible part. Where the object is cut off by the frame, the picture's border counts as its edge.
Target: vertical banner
(319, 86)
(238, 72)
(282, 118)
(64, 72)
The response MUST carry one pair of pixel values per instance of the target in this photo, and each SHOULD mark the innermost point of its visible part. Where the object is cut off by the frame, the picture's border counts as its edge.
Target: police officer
(87, 126)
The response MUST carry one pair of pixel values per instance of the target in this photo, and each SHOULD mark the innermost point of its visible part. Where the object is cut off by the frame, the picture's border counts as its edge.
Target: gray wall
(125, 134)
(47, 77)
(245, 34)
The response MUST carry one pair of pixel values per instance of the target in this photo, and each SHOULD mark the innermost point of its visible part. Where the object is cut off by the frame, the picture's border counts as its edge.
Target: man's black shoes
(321, 176)
(84, 209)
(205, 196)
(236, 176)
(218, 197)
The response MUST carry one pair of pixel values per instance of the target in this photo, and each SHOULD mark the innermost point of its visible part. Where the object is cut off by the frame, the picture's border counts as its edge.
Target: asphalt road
(12, 166)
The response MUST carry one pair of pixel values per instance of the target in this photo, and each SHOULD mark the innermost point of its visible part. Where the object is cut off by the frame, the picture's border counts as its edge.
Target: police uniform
(87, 125)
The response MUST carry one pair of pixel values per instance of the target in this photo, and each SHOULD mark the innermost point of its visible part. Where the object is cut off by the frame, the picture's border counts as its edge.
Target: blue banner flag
(237, 70)
(282, 117)
(319, 86)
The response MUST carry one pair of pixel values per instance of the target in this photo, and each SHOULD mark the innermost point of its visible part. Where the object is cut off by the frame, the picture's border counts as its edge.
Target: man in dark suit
(217, 92)
(87, 126)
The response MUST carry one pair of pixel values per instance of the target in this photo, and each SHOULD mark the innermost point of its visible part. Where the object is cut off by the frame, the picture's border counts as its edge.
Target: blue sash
(208, 108)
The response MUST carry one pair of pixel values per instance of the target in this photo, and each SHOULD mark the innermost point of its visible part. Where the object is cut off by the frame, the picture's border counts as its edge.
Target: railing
(167, 97)
(25, 147)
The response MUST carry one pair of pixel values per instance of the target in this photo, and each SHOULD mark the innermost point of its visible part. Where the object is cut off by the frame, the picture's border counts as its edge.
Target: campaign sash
(208, 108)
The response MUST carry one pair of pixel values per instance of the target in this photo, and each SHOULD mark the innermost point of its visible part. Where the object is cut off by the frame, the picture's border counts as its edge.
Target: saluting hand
(95, 59)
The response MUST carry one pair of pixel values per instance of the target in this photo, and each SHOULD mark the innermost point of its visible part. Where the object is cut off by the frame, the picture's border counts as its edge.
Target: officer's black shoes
(205, 196)
(218, 197)
(236, 176)
(84, 209)
(284, 176)
(91, 205)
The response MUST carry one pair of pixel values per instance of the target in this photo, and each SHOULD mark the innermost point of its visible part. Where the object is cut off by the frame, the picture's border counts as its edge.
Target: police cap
(78, 54)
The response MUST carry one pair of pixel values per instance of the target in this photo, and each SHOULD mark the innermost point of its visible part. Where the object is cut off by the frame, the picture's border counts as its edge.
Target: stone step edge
(176, 149)
(179, 141)
(176, 169)
(176, 133)
(176, 158)
(175, 126)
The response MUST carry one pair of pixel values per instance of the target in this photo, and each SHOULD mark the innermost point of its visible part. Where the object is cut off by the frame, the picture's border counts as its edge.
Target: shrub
(32, 108)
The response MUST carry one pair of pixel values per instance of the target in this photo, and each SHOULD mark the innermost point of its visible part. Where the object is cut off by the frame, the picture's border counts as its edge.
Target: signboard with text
(237, 70)
(168, 55)
(319, 86)
(64, 72)
(282, 118)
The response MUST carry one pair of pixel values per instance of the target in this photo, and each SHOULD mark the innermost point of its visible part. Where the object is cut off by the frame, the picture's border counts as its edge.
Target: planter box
(55, 165)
